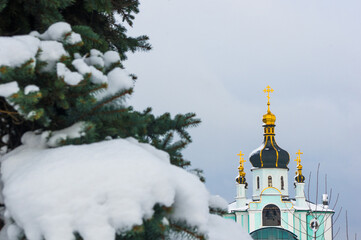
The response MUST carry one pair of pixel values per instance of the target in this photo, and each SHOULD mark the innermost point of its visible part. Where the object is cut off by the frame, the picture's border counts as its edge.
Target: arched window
(271, 215)
(257, 182)
(269, 181)
(282, 184)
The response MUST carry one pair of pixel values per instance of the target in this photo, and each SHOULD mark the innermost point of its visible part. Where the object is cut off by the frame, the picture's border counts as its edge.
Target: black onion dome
(300, 178)
(241, 180)
(269, 155)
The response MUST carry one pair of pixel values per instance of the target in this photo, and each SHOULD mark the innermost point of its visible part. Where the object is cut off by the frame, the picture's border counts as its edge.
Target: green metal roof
(273, 233)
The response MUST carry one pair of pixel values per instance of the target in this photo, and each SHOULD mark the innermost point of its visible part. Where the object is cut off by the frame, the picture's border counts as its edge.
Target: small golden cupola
(269, 118)
(269, 154)
(241, 178)
(299, 177)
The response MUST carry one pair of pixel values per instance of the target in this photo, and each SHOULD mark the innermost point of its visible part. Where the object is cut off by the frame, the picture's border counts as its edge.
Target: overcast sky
(214, 58)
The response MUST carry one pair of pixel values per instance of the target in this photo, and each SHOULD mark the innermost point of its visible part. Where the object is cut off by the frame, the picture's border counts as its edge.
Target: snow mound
(95, 59)
(60, 31)
(56, 31)
(17, 50)
(118, 80)
(8, 89)
(217, 202)
(71, 78)
(51, 52)
(111, 57)
(225, 229)
(99, 189)
(75, 131)
(30, 89)
(96, 76)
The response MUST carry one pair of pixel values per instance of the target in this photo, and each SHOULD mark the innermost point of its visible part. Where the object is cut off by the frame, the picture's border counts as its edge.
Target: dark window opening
(282, 184)
(257, 182)
(271, 215)
(269, 181)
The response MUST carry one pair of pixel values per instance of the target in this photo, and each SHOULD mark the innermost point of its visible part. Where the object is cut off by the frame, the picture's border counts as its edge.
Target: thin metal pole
(346, 226)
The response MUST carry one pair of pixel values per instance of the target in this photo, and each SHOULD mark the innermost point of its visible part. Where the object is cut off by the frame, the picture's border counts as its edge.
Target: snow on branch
(100, 189)
(50, 50)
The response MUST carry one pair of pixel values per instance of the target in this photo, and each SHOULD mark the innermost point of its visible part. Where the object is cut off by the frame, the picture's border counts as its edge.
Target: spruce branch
(110, 112)
(183, 229)
(106, 101)
(9, 113)
(167, 139)
(86, 93)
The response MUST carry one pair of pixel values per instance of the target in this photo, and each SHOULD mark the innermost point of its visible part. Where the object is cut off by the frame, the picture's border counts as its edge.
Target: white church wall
(284, 219)
(242, 219)
(328, 231)
(255, 220)
(287, 219)
(263, 174)
(241, 197)
(300, 225)
(291, 223)
(251, 221)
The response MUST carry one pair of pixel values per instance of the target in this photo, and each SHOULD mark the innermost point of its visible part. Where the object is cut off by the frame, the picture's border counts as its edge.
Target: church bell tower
(269, 161)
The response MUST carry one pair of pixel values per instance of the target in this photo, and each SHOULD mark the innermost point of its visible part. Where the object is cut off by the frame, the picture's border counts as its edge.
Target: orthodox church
(271, 213)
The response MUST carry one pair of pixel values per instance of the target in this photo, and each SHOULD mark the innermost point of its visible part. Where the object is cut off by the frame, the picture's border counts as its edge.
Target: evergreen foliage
(94, 19)
(58, 105)
(96, 22)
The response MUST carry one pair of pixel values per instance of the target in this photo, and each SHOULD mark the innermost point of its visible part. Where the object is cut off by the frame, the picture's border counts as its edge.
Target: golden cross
(298, 159)
(267, 90)
(241, 160)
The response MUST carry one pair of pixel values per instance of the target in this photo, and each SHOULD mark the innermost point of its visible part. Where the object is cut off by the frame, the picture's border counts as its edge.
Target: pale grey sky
(214, 58)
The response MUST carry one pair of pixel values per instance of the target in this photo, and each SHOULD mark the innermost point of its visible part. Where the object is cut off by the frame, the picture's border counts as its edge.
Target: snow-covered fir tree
(77, 161)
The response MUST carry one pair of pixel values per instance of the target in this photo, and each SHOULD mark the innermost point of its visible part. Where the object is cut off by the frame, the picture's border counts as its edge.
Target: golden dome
(269, 118)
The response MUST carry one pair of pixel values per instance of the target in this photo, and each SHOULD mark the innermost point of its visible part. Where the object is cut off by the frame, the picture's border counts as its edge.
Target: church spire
(269, 118)
(299, 177)
(241, 179)
(269, 155)
(241, 183)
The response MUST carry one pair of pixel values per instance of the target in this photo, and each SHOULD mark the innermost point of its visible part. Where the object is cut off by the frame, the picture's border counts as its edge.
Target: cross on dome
(299, 177)
(298, 159)
(241, 159)
(241, 165)
(268, 90)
